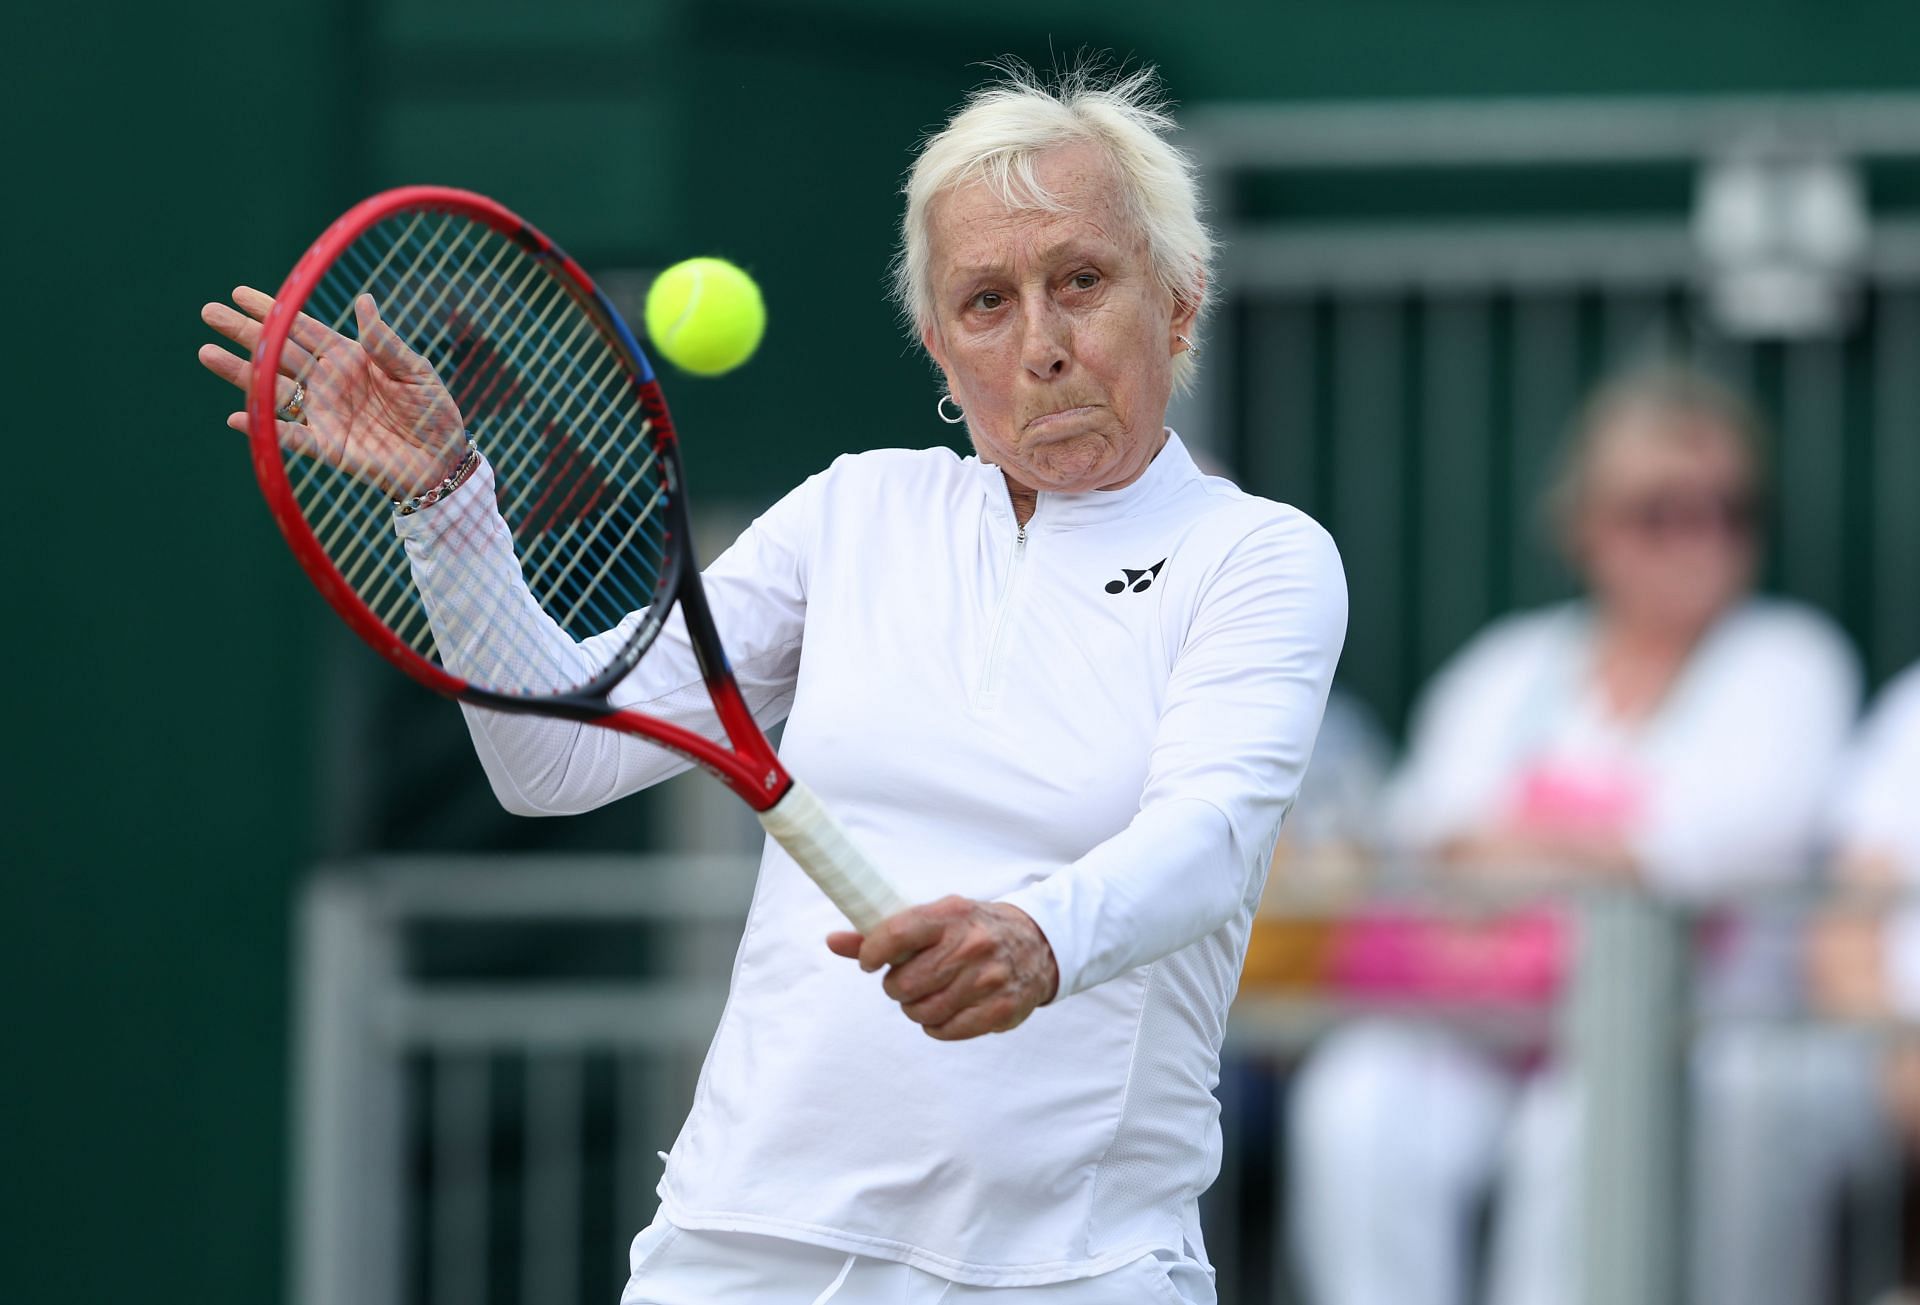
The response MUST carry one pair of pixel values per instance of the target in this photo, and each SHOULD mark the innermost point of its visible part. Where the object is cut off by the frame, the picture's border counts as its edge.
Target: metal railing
(473, 1109)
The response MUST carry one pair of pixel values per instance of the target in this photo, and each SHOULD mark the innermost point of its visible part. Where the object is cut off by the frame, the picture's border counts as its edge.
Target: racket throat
(761, 780)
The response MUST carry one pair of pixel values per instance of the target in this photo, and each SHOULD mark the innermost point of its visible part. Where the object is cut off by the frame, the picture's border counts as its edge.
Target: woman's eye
(988, 299)
(1085, 280)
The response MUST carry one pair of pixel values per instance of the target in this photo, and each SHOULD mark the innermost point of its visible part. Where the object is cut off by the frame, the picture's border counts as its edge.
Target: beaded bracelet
(407, 507)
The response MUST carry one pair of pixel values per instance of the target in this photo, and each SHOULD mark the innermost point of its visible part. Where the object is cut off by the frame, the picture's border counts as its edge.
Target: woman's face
(1055, 336)
(1666, 530)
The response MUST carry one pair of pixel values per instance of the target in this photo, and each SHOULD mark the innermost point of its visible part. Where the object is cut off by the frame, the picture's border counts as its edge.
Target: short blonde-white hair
(1005, 124)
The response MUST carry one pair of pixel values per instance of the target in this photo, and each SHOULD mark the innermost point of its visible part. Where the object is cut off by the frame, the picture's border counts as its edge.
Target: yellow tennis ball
(705, 315)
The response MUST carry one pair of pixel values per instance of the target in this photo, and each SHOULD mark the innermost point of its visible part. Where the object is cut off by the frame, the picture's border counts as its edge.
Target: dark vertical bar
(1282, 417)
(1224, 1207)
(1545, 375)
(1367, 487)
(648, 1109)
(1812, 471)
(1452, 593)
(550, 1212)
(461, 1125)
(1896, 447)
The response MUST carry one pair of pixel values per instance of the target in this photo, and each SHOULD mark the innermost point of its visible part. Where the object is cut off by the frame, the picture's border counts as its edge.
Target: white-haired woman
(1065, 689)
(1670, 730)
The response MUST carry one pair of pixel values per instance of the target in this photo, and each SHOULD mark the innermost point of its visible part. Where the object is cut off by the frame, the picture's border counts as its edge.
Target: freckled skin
(1054, 334)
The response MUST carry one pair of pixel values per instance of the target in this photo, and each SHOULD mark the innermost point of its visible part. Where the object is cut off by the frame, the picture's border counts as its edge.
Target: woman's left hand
(958, 968)
(369, 405)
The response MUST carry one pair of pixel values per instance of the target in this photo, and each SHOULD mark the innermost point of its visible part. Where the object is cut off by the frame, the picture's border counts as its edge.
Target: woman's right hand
(370, 407)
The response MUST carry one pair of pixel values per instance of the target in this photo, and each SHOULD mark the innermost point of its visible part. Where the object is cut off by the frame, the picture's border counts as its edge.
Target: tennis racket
(480, 328)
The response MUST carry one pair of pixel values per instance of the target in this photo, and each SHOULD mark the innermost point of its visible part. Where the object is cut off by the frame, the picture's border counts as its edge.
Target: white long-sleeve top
(986, 717)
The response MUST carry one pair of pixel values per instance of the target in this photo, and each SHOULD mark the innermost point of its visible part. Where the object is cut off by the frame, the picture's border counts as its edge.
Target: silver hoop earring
(1192, 348)
(941, 408)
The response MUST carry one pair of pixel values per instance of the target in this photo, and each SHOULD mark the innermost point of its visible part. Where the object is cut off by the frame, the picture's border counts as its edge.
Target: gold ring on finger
(294, 409)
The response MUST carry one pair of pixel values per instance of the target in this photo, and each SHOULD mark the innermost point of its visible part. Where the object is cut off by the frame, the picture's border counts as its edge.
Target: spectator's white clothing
(1414, 1127)
(1877, 804)
(1394, 1133)
(1877, 812)
(989, 714)
(1399, 1132)
(1733, 766)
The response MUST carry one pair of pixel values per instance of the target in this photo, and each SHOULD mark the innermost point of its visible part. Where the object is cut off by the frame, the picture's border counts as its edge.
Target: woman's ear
(1186, 307)
(930, 341)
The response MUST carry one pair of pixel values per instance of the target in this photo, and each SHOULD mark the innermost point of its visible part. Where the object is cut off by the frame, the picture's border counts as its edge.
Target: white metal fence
(492, 1052)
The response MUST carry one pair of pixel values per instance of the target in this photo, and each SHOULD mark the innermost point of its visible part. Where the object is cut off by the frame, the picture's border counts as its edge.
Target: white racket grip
(799, 823)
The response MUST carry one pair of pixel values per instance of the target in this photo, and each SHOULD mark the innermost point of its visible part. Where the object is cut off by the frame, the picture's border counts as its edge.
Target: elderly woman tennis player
(1061, 691)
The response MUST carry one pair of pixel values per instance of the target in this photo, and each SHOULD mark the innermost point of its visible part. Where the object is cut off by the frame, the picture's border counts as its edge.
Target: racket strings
(537, 371)
(579, 479)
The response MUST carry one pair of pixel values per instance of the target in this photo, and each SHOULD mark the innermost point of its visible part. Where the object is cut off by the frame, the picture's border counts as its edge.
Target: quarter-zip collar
(1171, 468)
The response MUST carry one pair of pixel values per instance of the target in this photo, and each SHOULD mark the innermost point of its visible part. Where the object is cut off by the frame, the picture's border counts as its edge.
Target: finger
(941, 1005)
(309, 332)
(996, 1016)
(898, 938)
(926, 973)
(238, 372)
(234, 371)
(237, 327)
(387, 350)
(245, 332)
(845, 944)
(950, 978)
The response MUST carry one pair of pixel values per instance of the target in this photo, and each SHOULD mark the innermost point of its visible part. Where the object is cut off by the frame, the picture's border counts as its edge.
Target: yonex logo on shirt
(1136, 580)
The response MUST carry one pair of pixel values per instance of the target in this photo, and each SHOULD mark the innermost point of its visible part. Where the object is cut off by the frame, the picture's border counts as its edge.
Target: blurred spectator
(1670, 730)
(1813, 1115)
(1804, 1113)
(1862, 965)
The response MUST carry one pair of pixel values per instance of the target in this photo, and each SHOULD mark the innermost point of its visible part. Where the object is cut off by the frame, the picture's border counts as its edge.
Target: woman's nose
(1043, 347)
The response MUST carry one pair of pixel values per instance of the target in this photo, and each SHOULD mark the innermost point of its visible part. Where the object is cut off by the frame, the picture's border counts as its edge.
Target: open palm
(371, 407)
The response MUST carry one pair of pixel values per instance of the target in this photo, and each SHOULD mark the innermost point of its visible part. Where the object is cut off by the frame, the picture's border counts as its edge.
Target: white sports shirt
(1100, 718)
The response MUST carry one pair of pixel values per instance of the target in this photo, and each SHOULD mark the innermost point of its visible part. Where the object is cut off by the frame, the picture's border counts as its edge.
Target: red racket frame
(750, 767)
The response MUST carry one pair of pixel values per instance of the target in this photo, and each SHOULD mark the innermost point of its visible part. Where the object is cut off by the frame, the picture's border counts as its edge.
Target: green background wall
(158, 154)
